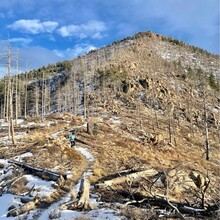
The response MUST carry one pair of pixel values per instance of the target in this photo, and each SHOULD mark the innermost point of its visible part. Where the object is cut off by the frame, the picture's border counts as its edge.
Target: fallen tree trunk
(83, 202)
(25, 208)
(140, 200)
(128, 177)
(42, 173)
(80, 141)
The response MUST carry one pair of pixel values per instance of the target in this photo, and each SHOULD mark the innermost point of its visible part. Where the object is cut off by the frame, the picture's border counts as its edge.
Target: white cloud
(77, 50)
(91, 29)
(21, 40)
(33, 26)
(43, 56)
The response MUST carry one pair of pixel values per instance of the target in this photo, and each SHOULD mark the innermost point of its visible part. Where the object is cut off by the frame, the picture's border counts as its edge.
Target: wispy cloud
(92, 29)
(21, 41)
(77, 50)
(34, 26)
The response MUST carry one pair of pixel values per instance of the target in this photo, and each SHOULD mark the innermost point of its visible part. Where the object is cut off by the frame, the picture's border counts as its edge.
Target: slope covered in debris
(146, 115)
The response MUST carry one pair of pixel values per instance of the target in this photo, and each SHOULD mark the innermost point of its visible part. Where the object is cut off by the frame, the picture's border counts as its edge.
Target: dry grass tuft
(134, 213)
(81, 218)
(19, 186)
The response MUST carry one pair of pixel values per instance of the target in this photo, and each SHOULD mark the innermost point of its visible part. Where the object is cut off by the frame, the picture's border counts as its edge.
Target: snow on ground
(3, 162)
(19, 135)
(85, 153)
(6, 200)
(115, 120)
(42, 188)
(98, 214)
(56, 134)
(22, 156)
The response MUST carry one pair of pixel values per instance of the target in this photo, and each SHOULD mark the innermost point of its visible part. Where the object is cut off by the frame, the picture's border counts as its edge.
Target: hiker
(72, 138)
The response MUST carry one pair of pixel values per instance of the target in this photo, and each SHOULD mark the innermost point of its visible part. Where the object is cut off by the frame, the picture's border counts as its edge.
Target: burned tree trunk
(42, 173)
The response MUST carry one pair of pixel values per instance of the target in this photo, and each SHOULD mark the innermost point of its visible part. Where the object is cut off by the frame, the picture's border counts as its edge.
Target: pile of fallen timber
(13, 171)
(152, 189)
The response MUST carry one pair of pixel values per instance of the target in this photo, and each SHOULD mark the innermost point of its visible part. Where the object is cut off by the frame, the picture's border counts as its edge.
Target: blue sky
(47, 31)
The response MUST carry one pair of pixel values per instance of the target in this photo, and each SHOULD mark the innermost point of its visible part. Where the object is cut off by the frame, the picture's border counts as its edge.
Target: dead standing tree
(9, 100)
(207, 146)
(83, 202)
(170, 115)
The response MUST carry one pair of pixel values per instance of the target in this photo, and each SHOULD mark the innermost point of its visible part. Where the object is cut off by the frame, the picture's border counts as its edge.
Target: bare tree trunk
(25, 96)
(5, 99)
(59, 100)
(8, 92)
(171, 110)
(90, 127)
(42, 99)
(207, 147)
(10, 103)
(36, 99)
(128, 177)
(16, 96)
(45, 96)
(85, 89)
(74, 93)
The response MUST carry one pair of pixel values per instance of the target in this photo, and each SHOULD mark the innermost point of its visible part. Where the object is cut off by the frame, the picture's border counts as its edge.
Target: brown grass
(134, 213)
(19, 186)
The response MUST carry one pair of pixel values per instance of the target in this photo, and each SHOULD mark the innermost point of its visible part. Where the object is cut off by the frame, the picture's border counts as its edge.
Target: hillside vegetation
(152, 103)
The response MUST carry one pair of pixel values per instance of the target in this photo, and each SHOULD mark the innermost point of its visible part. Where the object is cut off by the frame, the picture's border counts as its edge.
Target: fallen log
(81, 141)
(129, 178)
(25, 208)
(26, 199)
(140, 200)
(42, 173)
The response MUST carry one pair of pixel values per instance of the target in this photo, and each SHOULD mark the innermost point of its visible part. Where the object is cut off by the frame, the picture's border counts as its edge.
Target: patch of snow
(6, 174)
(85, 153)
(42, 187)
(56, 133)
(20, 121)
(115, 120)
(194, 209)
(4, 162)
(69, 174)
(98, 214)
(136, 139)
(214, 109)
(161, 111)
(5, 140)
(22, 156)
(6, 200)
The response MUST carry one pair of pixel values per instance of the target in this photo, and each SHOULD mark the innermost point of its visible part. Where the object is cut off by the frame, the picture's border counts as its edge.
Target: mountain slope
(153, 103)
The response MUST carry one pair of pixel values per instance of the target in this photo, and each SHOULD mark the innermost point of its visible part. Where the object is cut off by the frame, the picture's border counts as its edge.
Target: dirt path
(54, 209)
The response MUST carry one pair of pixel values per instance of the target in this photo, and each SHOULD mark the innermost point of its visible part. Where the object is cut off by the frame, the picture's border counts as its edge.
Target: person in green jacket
(72, 138)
